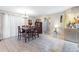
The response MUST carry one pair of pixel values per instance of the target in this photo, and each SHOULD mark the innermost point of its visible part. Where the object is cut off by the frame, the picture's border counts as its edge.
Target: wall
(1, 26)
(53, 19)
(55, 22)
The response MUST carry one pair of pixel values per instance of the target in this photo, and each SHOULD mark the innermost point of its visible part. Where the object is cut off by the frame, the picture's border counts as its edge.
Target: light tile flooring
(44, 43)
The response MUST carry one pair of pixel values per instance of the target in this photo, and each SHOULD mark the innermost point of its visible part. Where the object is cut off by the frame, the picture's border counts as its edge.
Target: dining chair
(33, 33)
(36, 33)
(19, 32)
(27, 36)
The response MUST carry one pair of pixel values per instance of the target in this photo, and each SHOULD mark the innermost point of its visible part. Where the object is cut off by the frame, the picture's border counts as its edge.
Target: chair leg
(25, 40)
(19, 37)
(38, 35)
(25, 37)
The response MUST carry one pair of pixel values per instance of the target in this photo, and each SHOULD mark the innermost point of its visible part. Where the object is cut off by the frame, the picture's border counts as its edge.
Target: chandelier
(26, 16)
(28, 13)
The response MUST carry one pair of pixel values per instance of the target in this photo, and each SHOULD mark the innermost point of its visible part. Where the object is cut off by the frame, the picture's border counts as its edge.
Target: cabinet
(72, 35)
(38, 26)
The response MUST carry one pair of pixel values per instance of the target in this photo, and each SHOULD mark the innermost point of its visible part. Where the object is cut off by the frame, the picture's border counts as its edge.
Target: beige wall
(53, 19)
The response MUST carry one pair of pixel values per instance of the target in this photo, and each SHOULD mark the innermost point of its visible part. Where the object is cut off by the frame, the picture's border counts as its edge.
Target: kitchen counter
(71, 35)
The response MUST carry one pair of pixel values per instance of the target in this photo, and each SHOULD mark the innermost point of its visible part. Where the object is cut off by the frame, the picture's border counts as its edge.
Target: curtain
(11, 23)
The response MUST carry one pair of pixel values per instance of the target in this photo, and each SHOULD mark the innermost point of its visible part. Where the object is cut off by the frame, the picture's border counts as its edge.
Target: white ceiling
(35, 10)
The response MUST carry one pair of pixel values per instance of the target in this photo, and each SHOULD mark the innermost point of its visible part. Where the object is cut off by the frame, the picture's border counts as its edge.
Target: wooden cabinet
(38, 25)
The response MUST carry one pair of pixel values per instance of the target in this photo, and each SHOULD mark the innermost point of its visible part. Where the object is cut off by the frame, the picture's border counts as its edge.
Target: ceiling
(35, 10)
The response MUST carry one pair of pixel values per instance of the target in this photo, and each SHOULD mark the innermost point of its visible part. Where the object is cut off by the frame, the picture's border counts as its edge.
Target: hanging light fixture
(26, 16)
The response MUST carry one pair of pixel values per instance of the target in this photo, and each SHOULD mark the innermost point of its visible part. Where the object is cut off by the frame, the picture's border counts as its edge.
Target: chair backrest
(23, 25)
(19, 29)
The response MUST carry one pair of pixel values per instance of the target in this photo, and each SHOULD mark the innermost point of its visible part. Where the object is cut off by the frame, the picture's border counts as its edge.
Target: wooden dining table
(29, 32)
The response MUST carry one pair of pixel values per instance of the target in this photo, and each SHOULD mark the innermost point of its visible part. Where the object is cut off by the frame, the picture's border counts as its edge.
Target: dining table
(29, 32)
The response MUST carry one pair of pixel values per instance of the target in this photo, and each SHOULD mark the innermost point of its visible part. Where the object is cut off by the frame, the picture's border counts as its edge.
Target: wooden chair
(19, 32)
(25, 36)
(33, 32)
(22, 33)
(29, 34)
(36, 32)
